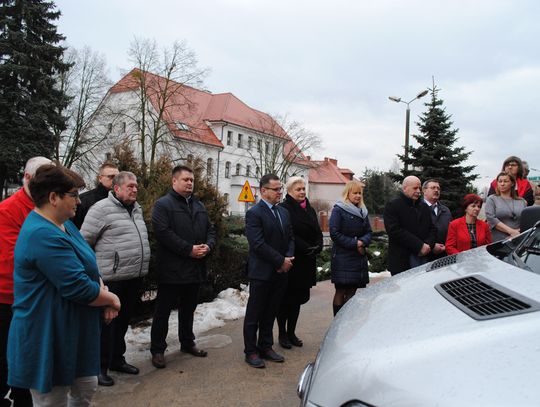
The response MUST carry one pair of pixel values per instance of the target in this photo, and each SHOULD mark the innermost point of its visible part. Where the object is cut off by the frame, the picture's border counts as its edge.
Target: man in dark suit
(411, 233)
(271, 247)
(440, 216)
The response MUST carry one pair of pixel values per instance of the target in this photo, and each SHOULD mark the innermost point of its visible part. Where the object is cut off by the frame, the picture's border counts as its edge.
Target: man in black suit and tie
(440, 215)
(271, 247)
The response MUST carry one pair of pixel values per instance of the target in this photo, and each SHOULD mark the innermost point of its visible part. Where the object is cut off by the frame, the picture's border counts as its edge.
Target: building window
(238, 166)
(248, 171)
(250, 142)
(228, 169)
(257, 171)
(226, 197)
(259, 145)
(229, 138)
(182, 126)
(108, 156)
(123, 127)
(240, 140)
(209, 164)
(138, 124)
(109, 128)
(189, 159)
(267, 147)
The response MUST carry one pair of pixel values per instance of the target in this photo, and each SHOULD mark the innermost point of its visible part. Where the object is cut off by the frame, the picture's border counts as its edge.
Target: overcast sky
(332, 65)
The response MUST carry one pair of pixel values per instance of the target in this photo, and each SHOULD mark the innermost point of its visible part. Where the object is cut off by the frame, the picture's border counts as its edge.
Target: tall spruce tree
(30, 100)
(436, 155)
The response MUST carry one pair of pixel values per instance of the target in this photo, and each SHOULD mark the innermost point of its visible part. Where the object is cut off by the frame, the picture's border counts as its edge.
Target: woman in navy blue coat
(351, 233)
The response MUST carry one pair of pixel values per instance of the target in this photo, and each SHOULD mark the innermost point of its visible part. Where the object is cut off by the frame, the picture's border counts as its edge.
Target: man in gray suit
(271, 248)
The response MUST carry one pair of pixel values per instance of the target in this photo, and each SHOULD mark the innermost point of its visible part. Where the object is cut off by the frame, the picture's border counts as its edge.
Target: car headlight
(303, 383)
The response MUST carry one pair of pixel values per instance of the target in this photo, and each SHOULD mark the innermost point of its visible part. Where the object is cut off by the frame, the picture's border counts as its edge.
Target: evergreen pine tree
(436, 155)
(30, 101)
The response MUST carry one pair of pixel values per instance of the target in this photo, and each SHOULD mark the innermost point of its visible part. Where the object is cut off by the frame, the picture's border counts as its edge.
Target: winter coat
(408, 225)
(308, 242)
(88, 199)
(119, 239)
(177, 229)
(348, 265)
(441, 221)
(13, 212)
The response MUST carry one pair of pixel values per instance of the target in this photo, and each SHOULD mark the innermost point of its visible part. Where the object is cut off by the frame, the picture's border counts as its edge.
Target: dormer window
(182, 126)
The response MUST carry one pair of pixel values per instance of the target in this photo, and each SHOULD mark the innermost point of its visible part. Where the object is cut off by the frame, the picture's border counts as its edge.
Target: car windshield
(528, 253)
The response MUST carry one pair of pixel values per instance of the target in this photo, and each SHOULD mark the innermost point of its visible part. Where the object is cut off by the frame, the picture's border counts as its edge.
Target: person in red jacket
(13, 212)
(468, 231)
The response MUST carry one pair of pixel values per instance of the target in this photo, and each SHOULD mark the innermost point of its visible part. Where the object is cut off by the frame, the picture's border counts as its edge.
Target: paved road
(223, 378)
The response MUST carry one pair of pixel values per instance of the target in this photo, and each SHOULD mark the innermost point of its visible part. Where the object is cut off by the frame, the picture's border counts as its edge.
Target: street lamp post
(407, 119)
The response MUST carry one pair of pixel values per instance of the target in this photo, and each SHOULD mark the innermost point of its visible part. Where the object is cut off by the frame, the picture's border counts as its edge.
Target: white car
(461, 331)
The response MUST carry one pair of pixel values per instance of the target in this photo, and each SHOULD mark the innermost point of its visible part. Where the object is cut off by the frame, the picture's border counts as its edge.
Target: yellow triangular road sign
(246, 195)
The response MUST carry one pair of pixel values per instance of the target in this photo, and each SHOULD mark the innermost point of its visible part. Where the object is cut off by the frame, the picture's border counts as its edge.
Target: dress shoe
(125, 368)
(195, 351)
(105, 380)
(284, 342)
(158, 360)
(272, 356)
(295, 340)
(255, 361)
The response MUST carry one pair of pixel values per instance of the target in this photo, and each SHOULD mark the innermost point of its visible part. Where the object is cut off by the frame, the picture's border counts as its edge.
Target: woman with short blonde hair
(351, 233)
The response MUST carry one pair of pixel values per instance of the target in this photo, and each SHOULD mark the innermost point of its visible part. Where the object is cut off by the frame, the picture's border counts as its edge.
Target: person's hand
(109, 314)
(424, 251)
(514, 232)
(198, 251)
(115, 303)
(360, 247)
(438, 248)
(287, 264)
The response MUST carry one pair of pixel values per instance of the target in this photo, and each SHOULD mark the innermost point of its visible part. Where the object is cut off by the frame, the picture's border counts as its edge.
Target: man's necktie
(276, 214)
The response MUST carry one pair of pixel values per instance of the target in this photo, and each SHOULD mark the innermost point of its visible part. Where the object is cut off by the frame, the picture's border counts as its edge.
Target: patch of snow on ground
(230, 304)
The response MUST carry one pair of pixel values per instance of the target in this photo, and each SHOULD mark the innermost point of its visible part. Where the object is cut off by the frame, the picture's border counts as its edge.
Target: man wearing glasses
(107, 172)
(271, 248)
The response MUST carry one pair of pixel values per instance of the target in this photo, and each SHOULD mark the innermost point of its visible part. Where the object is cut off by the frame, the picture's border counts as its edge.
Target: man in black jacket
(410, 230)
(185, 236)
(107, 172)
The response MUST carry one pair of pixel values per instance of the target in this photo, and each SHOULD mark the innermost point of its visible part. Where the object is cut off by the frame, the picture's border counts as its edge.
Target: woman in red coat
(468, 231)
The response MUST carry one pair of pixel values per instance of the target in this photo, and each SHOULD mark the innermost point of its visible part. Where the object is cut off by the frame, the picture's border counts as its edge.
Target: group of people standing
(421, 230)
(67, 296)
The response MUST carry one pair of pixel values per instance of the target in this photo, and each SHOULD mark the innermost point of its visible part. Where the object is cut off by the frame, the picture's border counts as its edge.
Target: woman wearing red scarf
(514, 166)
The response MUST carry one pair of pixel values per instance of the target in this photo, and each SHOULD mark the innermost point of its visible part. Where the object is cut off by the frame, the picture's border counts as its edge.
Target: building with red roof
(234, 139)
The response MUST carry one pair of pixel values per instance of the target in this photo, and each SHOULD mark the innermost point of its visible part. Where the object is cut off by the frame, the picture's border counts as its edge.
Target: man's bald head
(411, 187)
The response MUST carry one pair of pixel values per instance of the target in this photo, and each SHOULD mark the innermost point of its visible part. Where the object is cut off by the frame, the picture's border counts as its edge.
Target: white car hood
(421, 350)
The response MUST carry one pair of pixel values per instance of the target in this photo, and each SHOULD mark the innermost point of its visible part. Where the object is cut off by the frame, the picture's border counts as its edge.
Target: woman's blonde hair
(353, 186)
(293, 181)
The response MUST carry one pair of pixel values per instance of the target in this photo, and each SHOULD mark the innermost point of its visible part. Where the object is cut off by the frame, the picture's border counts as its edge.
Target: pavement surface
(223, 378)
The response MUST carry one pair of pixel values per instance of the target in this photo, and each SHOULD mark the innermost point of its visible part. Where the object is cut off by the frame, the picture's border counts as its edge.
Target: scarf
(352, 209)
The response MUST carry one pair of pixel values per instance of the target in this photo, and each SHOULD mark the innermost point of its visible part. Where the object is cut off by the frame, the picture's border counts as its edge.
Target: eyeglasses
(111, 176)
(73, 194)
(277, 189)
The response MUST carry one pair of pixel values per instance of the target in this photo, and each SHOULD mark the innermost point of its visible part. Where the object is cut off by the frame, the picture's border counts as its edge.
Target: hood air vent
(445, 261)
(482, 299)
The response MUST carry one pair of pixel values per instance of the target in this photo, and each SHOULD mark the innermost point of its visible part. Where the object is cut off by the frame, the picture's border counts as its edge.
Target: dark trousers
(170, 296)
(262, 307)
(113, 343)
(20, 397)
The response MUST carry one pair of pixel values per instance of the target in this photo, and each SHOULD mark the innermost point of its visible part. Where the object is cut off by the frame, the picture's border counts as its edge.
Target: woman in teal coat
(53, 345)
